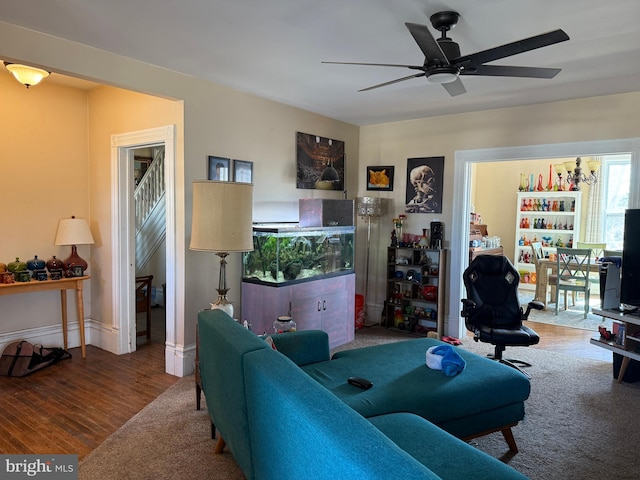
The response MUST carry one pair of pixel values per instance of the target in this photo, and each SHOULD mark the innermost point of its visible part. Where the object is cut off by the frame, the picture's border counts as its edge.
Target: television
(630, 283)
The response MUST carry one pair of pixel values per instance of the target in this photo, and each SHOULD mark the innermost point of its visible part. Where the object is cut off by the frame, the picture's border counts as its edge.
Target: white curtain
(593, 227)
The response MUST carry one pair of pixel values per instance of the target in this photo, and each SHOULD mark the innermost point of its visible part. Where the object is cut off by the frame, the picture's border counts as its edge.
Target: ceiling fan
(443, 63)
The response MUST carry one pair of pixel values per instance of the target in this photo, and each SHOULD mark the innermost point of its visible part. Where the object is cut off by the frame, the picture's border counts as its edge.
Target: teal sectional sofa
(280, 421)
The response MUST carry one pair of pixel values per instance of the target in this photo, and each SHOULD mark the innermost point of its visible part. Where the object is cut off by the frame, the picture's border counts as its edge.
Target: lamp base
(75, 260)
(222, 303)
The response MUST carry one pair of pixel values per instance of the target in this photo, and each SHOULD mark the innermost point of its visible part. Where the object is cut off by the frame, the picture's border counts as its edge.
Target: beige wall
(57, 164)
(495, 191)
(582, 120)
(114, 111)
(217, 121)
(44, 174)
(221, 121)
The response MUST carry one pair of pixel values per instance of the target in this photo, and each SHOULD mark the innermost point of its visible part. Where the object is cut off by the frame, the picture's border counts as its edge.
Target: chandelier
(575, 175)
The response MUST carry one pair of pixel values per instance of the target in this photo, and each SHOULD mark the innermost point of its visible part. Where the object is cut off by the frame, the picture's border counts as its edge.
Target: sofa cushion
(300, 430)
(485, 396)
(223, 343)
(445, 455)
(304, 346)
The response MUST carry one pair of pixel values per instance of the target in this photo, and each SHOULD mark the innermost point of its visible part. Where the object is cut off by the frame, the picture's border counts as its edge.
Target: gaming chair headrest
(491, 265)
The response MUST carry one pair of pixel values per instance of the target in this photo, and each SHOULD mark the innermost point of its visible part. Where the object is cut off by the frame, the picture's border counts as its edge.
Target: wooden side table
(64, 284)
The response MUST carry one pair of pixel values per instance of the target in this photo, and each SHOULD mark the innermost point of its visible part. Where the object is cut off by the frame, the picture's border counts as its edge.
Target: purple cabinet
(326, 304)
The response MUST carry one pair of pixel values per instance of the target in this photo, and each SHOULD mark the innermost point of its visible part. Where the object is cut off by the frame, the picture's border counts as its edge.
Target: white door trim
(461, 201)
(123, 239)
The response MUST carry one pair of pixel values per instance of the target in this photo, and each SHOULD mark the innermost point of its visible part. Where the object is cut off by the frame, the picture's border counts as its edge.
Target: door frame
(463, 160)
(123, 240)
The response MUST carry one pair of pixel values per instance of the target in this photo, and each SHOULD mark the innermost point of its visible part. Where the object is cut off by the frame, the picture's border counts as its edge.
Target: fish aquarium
(284, 254)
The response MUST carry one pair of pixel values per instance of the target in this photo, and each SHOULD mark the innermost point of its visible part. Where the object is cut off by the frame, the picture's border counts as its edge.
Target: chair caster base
(513, 363)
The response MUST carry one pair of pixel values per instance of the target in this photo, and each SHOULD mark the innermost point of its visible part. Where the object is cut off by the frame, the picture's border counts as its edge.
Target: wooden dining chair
(597, 249)
(144, 285)
(543, 278)
(597, 253)
(572, 270)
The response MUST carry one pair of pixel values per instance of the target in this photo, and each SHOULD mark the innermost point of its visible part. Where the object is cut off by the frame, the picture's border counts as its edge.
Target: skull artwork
(423, 180)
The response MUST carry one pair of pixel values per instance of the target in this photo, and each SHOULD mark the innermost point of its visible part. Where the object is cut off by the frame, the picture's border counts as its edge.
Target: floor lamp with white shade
(369, 209)
(222, 223)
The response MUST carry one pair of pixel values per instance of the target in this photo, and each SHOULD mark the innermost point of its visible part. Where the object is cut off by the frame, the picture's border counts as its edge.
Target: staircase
(150, 210)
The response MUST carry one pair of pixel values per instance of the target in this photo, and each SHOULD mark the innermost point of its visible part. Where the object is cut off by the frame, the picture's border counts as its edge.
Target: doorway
(124, 147)
(463, 161)
(150, 245)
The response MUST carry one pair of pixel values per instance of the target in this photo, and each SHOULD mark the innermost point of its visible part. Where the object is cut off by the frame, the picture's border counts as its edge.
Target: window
(616, 173)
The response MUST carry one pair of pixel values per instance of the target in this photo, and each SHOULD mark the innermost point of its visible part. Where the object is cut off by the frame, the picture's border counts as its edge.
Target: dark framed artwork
(242, 171)
(380, 178)
(140, 166)
(319, 162)
(424, 185)
(219, 169)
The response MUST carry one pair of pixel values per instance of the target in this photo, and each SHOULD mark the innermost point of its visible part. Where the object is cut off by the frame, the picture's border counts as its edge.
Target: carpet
(580, 424)
(168, 439)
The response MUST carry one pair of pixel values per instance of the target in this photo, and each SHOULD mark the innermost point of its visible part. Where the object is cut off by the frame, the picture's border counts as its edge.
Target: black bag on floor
(22, 358)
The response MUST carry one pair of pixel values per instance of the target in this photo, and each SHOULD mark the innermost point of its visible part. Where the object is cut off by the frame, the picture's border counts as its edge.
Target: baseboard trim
(48, 336)
(179, 360)
(104, 337)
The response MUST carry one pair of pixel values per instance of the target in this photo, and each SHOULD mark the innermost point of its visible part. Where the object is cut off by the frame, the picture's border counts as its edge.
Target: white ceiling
(275, 48)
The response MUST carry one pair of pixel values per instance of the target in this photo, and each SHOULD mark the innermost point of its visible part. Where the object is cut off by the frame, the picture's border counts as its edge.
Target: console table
(72, 283)
(628, 351)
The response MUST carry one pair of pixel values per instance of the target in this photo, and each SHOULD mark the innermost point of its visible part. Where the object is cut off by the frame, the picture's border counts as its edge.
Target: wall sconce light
(25, 74)
(575, 175)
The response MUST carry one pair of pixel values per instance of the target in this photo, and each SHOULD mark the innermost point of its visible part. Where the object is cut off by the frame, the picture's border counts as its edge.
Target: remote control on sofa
(360, 382)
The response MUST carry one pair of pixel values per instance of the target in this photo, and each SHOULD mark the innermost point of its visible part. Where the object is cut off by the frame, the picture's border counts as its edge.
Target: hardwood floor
(75, 405)
(570, 341)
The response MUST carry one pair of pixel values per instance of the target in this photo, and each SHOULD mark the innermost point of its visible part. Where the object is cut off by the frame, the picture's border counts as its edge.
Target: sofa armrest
(303, 347)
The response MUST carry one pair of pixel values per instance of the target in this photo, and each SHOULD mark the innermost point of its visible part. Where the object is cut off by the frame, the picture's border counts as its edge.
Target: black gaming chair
(492, 310)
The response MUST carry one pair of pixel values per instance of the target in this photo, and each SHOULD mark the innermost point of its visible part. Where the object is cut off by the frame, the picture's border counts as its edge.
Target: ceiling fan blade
(511, 71)
(421, 74)
(455, 88)
(513, 48)
(414, 67)
(427, 43)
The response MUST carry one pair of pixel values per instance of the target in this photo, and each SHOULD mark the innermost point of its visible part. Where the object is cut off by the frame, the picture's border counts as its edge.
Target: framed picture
(219, 169)
(424, 185)
(380, 178)
(242, 171)
(140, 166)
(319, 162)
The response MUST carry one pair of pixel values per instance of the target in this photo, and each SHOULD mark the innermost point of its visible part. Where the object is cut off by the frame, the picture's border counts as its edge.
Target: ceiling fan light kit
(442, 77)
(443, 63)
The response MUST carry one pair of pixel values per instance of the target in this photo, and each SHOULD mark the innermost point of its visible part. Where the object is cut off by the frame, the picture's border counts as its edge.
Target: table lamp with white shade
(222, 223)
(74, 231)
